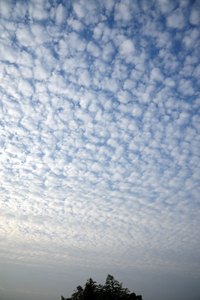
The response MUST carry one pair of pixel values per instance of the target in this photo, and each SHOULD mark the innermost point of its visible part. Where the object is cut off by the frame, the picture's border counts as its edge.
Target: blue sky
(99, 147)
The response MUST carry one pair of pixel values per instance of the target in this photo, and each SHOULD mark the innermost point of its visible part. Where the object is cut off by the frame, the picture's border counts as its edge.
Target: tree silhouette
(111, 290)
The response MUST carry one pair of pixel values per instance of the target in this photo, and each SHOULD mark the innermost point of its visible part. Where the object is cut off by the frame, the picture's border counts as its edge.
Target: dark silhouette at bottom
(111, 290)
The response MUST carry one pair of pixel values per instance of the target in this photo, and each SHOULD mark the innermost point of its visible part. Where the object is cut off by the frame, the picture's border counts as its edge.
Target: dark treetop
(111, 290)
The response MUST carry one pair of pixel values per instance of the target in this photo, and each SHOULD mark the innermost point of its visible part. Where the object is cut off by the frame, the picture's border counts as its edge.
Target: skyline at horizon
(99, 147)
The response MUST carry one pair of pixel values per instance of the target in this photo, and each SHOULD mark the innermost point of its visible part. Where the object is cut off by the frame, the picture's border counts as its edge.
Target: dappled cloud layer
(100, 133)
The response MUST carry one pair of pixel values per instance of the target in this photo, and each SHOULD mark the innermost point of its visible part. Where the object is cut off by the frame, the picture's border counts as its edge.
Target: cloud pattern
(100, 133)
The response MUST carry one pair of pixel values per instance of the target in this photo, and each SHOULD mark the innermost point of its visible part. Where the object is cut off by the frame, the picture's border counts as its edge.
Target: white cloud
(40, 73)
(109, 84)
(5, 9)
(78, 10)
(188, 41)
(60, 14)
(25, 59)
(126, 48)
(195, 16)
(100, 135)
(109, 6)
(129, 84)
(176, 19)
(122, 12)
(24, 36)
(98, 30)
(62, 48)
(37, 10)
(75, 24)
(40, 34)
(185, 86)
(25, 88)
(156, 75)
(124, 96)
(26, 72)
(108, 50)
(197, 71)
(76, 43)
(137, 111)
(8, 53)
(166, 6)
(19, 10)
(169, 82)
(93, 49)
(183, 118)
(97, 167)
(83, 77)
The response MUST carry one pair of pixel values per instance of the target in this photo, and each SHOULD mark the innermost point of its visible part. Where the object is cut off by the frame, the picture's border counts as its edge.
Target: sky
(99, 147)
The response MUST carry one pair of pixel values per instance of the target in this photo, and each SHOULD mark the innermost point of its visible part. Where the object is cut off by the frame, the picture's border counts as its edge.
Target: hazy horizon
(99, 147)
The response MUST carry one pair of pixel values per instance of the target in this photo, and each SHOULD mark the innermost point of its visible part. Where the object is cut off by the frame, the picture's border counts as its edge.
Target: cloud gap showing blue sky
(99, 146)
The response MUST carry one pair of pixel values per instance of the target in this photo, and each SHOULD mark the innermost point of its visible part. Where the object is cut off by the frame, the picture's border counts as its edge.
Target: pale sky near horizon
(99, 147)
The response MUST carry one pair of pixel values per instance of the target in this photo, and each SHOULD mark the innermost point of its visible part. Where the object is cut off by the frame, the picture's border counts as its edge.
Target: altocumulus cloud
(100, 134)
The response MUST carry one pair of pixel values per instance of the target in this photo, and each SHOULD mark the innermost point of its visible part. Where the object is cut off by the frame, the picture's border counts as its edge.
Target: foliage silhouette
(111, 290)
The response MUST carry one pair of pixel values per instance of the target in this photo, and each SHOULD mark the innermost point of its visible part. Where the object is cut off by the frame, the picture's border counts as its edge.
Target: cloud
(194, 15)
(156, 75)
(60, 14)
(24, 36)
(75, 24)
(126, 49)
(166, 6)
(8, 53)
(93, 49)
(100, 135)
(186, 87)
(37, 10)
(122, 12)
(183, 118)
(124, 96)
(78, 10)
(176, 19)
(169, 82)
(5, 9)
(25, 88)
